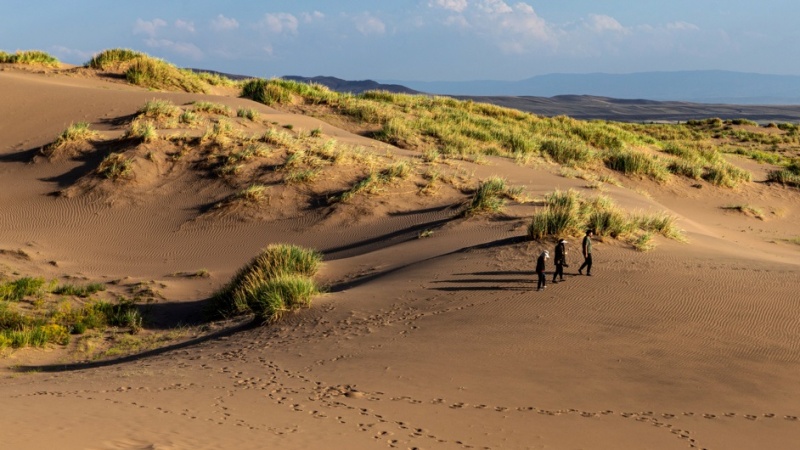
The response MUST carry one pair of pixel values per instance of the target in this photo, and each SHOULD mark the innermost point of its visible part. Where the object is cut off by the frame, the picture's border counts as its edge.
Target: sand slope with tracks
(438, 342)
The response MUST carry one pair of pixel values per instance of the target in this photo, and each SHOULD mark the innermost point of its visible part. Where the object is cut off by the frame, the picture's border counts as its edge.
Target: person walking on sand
(587, 253)
(560, 260)
(540, 270)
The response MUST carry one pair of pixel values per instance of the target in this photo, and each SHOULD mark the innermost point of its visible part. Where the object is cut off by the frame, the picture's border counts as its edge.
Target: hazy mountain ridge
(710, 86)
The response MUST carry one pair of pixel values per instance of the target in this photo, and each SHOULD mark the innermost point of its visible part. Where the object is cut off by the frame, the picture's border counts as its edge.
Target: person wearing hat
(587, 253)
(560, 260)
(540, 270)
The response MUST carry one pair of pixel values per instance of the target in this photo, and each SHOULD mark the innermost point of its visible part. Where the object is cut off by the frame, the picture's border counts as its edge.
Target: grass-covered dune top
(144, 70)
(30, 57)
(442, 126)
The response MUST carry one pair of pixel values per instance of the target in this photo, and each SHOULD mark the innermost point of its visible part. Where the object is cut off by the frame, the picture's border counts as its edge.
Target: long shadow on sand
(384, 240)
(130, 358)
(25, 156)
(373, 276)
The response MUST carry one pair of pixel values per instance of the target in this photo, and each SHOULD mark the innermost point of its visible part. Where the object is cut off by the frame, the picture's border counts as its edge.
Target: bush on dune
(29, 57)
(570, 214)
(155, 73)
(278, 280)
(113, 58)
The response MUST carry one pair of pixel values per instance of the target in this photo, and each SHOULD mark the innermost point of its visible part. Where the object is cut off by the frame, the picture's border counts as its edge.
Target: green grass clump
(97, 315)
(788, 176)
(113, 58)
(30, 57)
(212, 108)
(567, 152)
(725, 174)
(159, 109)
(643, 242)
(155, 73)
(115, 166)
(144, 130)
(266, 92)
(79, 291)
(76, 133)
(374, 182)
(247, 113)
(215, 79)
(282, 294)
(255, 193)
(23, 287)
(570, 214)
(490, 196)
(34, 336)
(36, 326)
(278, 280)
(631, 162)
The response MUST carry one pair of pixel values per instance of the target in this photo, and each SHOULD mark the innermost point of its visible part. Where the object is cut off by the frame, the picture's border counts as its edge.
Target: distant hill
(591, 107)
(711, 86)
(356, 87)
(656, 107)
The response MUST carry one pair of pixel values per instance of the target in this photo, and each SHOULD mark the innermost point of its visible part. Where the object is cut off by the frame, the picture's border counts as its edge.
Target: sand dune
(439, 342)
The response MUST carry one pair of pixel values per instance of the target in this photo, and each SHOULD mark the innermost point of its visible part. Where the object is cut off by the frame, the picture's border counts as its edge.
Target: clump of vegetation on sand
(748, 210)
(115, 166)
(29, 57)
(570, 214)
(787, 176)
(72, 138)
(491, 196)
(35, 312)
(376, 181)
(155, 73)
(114, 58)
(276, 282)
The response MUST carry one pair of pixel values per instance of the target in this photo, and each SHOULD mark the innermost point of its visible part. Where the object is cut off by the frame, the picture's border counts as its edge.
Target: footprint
(709, 416)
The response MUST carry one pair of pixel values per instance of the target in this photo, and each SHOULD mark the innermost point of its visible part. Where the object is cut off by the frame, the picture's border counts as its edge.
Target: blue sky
(421, 40)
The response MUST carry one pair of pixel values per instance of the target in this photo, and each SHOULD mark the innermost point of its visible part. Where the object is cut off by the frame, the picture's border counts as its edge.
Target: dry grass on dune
(262, 170)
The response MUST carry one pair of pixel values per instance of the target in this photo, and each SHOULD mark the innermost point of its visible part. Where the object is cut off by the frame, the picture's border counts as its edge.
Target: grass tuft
(278, 280)
(29, 57)
(115, 166)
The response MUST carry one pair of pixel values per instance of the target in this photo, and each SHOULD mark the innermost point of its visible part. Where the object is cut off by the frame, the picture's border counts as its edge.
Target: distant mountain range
(643, 97)
(709, 86)
(639, 97)
(356, 87)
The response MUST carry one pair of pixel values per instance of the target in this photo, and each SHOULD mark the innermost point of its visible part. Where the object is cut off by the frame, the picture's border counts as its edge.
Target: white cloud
(184, 25)
(279, 23)
(312, 16)
(602, 23)
(148, 27)
(450, 5)
(222, 23)
(368, 24)
(182, 48)
(682, 26)
(67, 53)
(496, 7)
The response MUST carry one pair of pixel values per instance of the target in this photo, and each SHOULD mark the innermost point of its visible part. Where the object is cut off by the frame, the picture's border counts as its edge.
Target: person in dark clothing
(587, 253)
(560, 260)
(540, 270)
